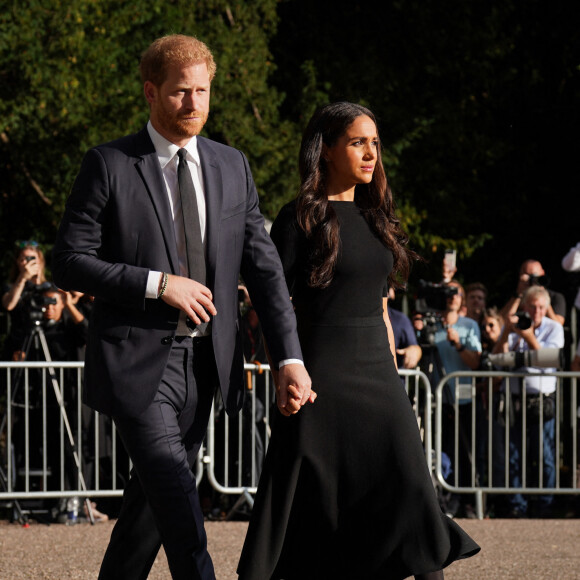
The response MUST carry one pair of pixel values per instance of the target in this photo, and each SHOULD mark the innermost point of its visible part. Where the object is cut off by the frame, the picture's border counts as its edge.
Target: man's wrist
(153, 280)
(162, 284)
(289, 361)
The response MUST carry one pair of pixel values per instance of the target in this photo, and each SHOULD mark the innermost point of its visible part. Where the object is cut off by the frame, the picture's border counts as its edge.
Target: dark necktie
(191, 226)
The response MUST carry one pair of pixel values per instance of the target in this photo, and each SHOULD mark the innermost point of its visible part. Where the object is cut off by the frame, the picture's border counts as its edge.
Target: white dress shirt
(168, 160)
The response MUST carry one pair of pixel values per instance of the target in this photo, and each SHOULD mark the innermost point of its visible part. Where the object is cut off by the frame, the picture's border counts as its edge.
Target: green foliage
(69, 80)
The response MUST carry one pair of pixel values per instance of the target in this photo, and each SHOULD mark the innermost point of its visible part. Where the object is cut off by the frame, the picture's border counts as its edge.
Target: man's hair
(475, 286)
(175, 49)
(534, 292)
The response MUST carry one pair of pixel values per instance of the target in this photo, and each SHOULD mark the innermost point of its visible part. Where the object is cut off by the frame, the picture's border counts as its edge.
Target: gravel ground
(511, 549)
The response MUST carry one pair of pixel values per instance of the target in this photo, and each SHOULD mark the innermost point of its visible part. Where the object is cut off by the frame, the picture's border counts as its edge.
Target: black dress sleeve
(289, 241)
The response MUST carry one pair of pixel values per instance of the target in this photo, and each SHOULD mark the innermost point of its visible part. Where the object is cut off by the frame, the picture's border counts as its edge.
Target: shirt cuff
(153, 284)
(289, 361)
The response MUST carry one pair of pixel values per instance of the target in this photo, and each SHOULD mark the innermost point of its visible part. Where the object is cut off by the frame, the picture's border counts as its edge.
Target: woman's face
(492, 328)
(25, 256)
(351, 160)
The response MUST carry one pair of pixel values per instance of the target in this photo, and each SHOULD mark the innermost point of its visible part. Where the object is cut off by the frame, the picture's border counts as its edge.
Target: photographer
(457, 338)
(518, 336)
(26, 275)
(532, 274)
(65, 328)
(456, 346)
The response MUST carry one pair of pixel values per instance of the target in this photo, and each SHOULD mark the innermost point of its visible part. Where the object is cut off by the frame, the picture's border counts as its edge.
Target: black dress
(345, 492)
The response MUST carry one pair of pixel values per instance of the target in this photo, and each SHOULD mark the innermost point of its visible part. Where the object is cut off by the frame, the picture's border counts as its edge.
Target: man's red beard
(189, 127)
(179, 123)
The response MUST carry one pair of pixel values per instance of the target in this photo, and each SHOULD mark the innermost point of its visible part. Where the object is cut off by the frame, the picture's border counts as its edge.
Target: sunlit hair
(317, 217)
(20, 249)
(534, 292)
(168, 51)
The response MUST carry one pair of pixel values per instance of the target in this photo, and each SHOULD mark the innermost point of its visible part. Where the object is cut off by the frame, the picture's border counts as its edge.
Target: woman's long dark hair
(317, 217)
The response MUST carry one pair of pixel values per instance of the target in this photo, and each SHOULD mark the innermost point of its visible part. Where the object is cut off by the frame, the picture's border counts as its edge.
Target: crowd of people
(458, 338)
(459, 334)
(46, 324)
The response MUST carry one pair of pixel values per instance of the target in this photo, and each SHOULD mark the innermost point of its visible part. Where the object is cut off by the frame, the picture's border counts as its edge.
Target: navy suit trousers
(160, 503)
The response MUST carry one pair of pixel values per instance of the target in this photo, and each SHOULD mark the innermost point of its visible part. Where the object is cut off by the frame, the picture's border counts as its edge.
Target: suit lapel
(148, 167)
(212, 180)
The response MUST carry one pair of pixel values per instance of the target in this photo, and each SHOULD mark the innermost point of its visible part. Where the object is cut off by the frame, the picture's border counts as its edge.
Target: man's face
(531, 269)
(537, 308)
(475, 303)
(455, 302)
(180, 106)
(54, 311)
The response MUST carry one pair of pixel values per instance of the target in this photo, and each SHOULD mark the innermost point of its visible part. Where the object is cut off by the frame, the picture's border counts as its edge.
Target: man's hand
(293, 389)
(411, 355)
(190, 296)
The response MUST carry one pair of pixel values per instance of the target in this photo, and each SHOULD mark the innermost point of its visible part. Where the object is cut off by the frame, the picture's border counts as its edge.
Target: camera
(524, 320)
(29, 258)
(433, 297)
(534, 280)
(35, 302)
(427, 335)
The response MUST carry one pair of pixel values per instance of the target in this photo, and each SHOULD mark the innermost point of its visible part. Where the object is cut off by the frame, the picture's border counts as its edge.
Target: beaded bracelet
(164, 281)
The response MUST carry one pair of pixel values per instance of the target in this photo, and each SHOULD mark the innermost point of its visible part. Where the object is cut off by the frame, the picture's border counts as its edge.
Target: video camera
(433, 297)
(431, 302)
(35, 302)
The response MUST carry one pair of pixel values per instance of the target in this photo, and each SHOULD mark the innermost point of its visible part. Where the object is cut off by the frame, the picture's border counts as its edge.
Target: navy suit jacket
(117, 226)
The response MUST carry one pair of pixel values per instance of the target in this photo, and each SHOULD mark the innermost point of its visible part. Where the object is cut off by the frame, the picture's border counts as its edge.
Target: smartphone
(450, 259)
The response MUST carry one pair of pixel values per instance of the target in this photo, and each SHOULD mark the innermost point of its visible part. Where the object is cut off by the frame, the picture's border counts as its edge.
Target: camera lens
(524, 321)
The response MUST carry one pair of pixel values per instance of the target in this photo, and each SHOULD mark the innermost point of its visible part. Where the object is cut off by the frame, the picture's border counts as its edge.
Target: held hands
(193, 298)
(293, 389)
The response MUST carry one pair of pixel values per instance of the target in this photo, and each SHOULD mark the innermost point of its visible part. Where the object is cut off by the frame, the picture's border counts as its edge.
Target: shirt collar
(166, 150)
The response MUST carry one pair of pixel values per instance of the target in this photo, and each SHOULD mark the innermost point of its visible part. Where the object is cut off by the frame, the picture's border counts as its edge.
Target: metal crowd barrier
(486, 426)
(52, 451)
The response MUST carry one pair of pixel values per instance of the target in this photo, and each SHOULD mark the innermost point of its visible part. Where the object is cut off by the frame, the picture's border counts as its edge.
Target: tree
(69, 80)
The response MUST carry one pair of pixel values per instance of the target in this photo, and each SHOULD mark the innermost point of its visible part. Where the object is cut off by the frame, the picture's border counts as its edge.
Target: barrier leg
(246, 497)
(479, 504)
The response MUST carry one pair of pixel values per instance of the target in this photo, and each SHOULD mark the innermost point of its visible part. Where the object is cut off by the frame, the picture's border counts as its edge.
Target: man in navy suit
(160, 342)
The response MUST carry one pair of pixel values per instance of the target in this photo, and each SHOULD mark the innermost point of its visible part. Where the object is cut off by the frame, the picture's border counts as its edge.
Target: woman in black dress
(345, 492)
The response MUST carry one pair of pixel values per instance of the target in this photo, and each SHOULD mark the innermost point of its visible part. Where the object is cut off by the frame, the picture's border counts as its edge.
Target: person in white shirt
(543, 332)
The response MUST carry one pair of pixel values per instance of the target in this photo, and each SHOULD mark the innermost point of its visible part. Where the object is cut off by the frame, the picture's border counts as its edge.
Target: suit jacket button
(167, 340)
